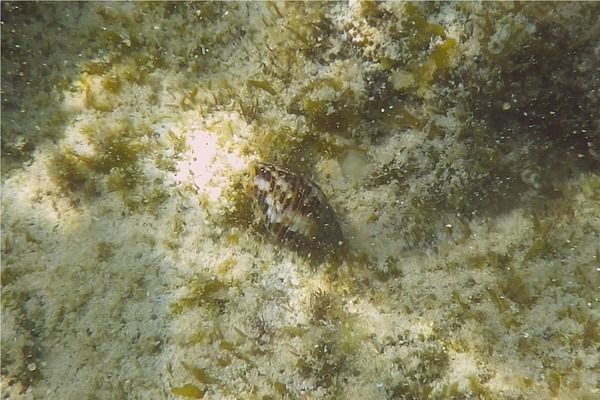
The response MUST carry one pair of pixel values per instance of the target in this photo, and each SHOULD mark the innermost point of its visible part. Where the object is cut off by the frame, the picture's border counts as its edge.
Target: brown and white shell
(294, 208)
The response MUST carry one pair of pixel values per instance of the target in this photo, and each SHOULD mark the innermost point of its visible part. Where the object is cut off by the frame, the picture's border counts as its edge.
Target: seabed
(458, 143)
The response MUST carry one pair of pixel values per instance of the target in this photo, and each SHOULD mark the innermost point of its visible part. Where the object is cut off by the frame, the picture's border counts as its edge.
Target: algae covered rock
(457, 143)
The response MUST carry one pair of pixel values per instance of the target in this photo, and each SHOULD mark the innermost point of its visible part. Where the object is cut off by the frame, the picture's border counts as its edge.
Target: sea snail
(294, 208)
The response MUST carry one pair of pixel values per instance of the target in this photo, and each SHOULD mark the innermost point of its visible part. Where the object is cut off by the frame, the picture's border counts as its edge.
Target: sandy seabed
(459, 144)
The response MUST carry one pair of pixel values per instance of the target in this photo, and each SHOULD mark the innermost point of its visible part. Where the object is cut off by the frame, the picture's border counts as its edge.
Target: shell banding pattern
(294, 208)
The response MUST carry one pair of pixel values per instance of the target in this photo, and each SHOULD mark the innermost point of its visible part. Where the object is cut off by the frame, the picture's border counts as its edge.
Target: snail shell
(294, 208)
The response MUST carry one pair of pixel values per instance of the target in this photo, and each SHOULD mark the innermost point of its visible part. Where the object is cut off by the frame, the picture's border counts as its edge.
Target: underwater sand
(459, 144)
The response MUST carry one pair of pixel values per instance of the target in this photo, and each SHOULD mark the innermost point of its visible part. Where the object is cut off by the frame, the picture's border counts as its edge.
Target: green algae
(200, 374)
(119, 151)
(262, 84)
(466, 169)
(518, 290)
(188, 390)
(205, 292)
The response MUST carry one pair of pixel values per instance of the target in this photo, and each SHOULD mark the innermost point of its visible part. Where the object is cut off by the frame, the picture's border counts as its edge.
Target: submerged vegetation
(457, 143)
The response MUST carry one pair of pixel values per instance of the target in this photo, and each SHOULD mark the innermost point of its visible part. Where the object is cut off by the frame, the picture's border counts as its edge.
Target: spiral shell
(294, 208)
